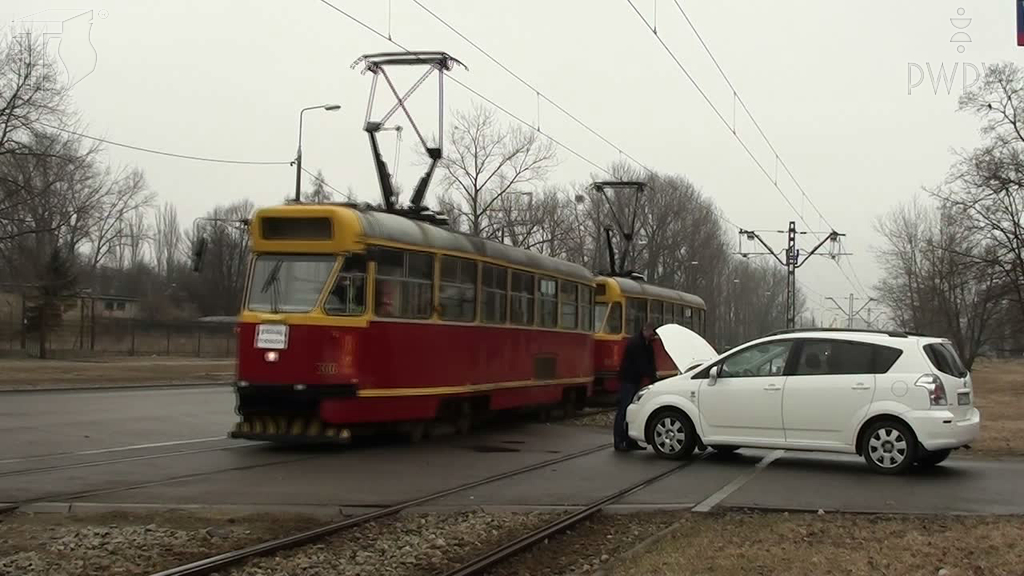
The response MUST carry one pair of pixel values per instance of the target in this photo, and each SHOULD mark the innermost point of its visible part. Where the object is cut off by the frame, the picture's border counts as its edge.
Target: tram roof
(402, 230)
(631, 287)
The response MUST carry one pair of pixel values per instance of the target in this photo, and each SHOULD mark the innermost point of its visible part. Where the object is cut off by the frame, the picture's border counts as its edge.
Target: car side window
(767, 359)
(834, 357)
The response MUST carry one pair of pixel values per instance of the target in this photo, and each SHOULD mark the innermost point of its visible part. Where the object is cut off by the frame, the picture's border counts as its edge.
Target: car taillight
(936, 391)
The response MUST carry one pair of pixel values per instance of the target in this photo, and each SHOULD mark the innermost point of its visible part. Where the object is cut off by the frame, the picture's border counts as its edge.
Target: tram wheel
(417, 432)
(464, 421)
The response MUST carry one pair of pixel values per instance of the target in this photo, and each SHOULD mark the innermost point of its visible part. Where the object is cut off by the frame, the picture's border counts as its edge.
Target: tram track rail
(76, 465)
(212, 564)
(482, 564)
(69, 496)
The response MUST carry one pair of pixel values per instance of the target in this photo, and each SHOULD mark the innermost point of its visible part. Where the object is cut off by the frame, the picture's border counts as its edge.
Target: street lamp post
(298, 153)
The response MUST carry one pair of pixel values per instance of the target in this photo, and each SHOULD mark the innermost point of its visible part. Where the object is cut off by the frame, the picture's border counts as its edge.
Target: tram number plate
(272, 336)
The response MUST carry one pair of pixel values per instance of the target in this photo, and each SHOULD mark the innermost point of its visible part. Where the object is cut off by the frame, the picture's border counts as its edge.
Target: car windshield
(288, 283)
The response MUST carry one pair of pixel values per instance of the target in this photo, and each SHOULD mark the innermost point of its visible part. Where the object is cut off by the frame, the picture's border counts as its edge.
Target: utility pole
(850, 312)
(793, 258)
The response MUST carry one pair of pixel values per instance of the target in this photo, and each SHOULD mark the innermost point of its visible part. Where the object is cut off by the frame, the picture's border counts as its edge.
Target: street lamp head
(332, 107)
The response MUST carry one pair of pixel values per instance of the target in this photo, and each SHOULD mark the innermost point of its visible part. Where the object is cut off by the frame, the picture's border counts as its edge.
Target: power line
(859, 286)
(732, 128)
(530, 86)
(471, 90)
(324, 181)
(504, 110)
(163, 153)
(749, 113)
(718, 113)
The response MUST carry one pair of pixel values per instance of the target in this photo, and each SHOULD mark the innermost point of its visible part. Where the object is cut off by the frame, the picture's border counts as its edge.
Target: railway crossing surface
(165, 448)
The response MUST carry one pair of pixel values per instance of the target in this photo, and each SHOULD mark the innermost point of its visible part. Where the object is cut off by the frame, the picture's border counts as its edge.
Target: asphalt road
(168, 447)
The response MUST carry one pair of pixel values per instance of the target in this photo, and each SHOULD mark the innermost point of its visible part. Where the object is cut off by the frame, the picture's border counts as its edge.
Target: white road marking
(735, 485)
(118, 449)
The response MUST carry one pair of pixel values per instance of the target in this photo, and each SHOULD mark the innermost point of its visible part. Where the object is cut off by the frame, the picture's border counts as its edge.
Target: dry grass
(812, 545)
(999, 395)
(26, 374)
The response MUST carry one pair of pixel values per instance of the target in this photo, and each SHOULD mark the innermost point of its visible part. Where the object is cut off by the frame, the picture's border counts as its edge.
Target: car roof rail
(891, 333)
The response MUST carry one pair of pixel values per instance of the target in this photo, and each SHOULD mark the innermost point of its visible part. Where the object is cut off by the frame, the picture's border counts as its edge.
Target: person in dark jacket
(637, 366)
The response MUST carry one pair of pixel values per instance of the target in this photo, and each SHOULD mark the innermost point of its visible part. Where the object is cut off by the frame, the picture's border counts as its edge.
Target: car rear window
(885, 357)
(945, 359)
(840, 357)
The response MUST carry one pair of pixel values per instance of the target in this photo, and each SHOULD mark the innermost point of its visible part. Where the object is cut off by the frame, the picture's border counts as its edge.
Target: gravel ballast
(409, 544)
(129, 544)
(588, 546)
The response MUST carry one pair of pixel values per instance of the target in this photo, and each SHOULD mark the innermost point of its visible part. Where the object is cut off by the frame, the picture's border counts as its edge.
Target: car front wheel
(889, 447)
(671, 434)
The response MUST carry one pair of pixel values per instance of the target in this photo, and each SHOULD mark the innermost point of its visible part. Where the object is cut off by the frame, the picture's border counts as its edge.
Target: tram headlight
(639, 395)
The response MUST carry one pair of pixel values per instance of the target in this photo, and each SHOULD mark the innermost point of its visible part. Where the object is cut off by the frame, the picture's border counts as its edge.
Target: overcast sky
(828, 82)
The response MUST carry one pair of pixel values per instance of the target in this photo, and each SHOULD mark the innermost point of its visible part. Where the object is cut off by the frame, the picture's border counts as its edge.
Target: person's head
(648, 331)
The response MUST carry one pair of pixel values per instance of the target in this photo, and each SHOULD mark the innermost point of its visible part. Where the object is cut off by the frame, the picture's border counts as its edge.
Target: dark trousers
(626, 392)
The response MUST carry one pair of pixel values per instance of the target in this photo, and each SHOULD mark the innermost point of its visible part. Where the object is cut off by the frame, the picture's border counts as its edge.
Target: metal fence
(122, 337)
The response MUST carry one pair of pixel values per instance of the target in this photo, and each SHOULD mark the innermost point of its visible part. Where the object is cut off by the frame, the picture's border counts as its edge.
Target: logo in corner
(961, 38)
(69, 33)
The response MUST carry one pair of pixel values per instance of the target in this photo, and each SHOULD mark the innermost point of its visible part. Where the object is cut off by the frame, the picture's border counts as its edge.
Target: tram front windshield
(288, 283)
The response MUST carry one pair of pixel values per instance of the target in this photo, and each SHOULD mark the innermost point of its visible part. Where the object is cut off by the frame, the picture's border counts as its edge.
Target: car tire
(889, 447)
(664, 429)
(929, 459)
(725, 449)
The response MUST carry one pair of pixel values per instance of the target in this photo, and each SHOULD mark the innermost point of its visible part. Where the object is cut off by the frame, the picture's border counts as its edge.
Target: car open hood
(685, 346)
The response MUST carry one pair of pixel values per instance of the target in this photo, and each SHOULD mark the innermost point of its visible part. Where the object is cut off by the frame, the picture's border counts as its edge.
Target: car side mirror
(713, 375)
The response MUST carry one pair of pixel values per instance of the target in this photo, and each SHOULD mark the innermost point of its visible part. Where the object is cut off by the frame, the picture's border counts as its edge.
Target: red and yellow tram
(622, 307)
(358, 319)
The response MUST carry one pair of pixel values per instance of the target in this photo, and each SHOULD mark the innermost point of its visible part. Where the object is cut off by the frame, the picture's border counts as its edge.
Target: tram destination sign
(272, 336)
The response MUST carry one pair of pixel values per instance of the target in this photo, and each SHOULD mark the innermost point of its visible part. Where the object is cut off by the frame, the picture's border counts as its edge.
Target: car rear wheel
(929, 459)
(671, 434)
(889, 447)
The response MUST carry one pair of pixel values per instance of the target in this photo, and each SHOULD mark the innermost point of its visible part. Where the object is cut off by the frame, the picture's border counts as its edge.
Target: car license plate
(272, 336)
(963, 398)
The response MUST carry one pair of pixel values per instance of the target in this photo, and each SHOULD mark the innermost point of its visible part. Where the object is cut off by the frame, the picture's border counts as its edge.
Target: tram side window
(688, 318)
(636, 315)
(457, 292)
(405, 284)
(569, 295)
(522, 299)
(656, 312)
(677, 314)
(547, 289)
(614, 323)
(701, 328)
(495, 284)
(586, 308)
(348, 297)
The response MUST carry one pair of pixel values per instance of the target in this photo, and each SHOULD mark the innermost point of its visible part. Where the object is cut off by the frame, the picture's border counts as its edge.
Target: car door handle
(861, 387)
(773, 388)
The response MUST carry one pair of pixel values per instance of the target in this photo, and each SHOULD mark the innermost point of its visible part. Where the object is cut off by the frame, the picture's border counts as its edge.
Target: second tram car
(622, 307)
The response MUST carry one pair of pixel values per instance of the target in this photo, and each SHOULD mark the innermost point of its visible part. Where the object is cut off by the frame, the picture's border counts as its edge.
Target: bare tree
(318, 192)
(32, 91)
(218, 289)
(985, 188)
(486, 160)
(935, 277)
(119, 197)
(166, 239)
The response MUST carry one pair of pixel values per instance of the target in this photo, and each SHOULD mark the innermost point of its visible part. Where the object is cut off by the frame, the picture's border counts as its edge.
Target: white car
(896, 399)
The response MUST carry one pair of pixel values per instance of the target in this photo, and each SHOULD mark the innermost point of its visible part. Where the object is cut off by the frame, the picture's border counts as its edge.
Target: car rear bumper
(941, 430)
